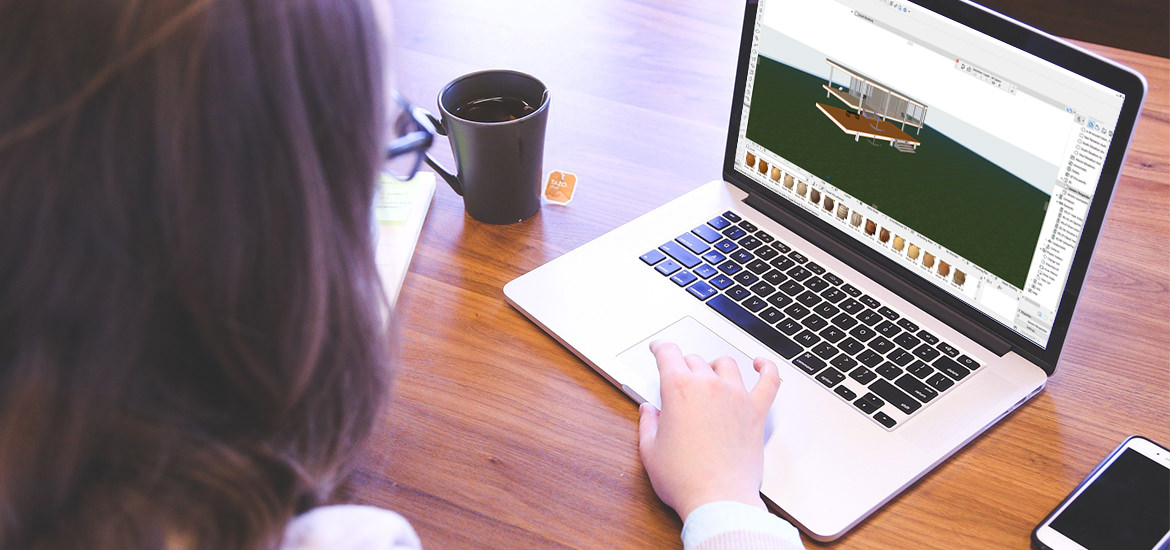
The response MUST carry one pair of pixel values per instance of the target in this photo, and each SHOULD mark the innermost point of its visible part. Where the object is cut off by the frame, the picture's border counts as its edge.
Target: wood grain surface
(498, 437)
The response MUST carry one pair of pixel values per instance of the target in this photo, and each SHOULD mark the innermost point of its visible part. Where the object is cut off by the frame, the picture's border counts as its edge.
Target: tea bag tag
(560, 187)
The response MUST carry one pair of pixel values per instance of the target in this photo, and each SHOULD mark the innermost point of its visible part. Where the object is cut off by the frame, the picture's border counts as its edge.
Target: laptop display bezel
(903, 281)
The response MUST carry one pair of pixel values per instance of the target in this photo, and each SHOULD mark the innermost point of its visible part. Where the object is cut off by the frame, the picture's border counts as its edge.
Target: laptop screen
(966, 161)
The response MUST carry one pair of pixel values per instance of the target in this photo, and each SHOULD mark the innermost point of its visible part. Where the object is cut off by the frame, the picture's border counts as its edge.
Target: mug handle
(450, 178)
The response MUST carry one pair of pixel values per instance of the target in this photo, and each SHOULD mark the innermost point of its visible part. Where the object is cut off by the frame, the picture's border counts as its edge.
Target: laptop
(910, 198)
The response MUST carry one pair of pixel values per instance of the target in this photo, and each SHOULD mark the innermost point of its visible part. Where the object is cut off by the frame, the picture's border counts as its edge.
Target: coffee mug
(495, 121)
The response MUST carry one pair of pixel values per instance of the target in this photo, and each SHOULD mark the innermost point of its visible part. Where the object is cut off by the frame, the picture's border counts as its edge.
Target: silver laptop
(910, 199)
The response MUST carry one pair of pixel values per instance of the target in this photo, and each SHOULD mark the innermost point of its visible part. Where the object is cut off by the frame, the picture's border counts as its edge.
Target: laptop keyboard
(865, 352)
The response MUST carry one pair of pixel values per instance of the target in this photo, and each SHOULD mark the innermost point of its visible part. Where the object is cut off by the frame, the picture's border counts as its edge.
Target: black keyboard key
(948, 349)
(844, 321)
(721, 281)
(741, 256)
(789, 326)
(705, 270)
(869, 358)
(718, 222)
(809, 363)
(888, 313)
(734, 233)
(832, 334)
(754, 326)
(706, 233)
(907, 340)
(683, 278)
(845, 392)
(851, 290)
(968, 362)
(826, 310)
(919, 369)
(653, 257)
(766, 253)
(732, 216)
(714, 257)
(781, 247)
(830, 377)
(771, 315)
(797, 257)
(834, 295)
(895, 396)
(815, 268)
(887, 329)
(792, 288)
(825, 350)
(807, 339)
(816, 284)
(751, 243)
(762, 289)
(869, 403)
(940, 382)
(726, 246)
(761, 235)
(863, 375)
(680, 254)
(869, 301)
(851, 346)
(693, 243)
(745, 278)
(885, 419)
(799, 273)
(748, 226)
(783, 263)
(814, 323)
(775, 277)
(738, 293)
(915, 387)
(796, 311)
(851, 306)
(925, 352)
(843, 362)
(779, 299)
(701, 290)
(900, 357)
(862, 333)
(758, 266)
(928, 337)
(881, 345)
(833, 279)
(667, 267)
(888, 371)
(907, 324)
(869, 317)
(809, 298)
(949, 367)
(754, 304)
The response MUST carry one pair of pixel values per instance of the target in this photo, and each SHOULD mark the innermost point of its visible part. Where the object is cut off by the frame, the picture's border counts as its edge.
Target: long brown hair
(191, 338)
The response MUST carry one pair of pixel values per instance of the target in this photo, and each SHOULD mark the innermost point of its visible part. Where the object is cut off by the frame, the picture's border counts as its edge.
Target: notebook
(910, 198)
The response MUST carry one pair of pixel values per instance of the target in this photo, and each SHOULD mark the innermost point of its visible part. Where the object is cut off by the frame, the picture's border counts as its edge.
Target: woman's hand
(707, 443)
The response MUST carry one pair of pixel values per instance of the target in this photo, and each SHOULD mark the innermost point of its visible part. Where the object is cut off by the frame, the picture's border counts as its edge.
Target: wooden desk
(497, 437)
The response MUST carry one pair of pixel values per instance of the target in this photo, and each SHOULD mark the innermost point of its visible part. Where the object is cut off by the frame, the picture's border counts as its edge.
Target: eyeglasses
(413, 133)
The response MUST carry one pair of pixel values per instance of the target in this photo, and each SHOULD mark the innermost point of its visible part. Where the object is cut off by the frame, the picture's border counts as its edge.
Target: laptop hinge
(883, 276)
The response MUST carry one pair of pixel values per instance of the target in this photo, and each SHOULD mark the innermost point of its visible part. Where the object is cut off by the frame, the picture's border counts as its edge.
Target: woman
(192, 343)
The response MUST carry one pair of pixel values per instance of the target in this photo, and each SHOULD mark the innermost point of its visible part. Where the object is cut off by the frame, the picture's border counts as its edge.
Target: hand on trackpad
(692, 338)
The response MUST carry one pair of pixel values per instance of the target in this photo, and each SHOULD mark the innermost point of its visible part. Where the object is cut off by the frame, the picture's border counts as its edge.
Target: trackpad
(692, 338)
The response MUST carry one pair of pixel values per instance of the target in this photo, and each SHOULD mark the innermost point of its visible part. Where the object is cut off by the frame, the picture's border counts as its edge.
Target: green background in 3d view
(944, 190)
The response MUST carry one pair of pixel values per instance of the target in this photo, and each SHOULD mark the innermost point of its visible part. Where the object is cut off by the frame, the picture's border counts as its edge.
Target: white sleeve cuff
(717, 518)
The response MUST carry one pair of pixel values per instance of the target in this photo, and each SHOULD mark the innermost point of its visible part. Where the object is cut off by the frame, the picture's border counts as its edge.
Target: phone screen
(1126, 507)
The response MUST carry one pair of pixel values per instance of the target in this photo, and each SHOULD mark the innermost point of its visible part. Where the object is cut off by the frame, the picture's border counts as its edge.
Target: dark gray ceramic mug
(498, 161)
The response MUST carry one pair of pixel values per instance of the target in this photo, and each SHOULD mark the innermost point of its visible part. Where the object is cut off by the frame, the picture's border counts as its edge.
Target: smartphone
(1124, 504)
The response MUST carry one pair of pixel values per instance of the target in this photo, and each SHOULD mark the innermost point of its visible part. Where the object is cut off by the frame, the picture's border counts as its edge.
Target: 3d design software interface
(966, 160)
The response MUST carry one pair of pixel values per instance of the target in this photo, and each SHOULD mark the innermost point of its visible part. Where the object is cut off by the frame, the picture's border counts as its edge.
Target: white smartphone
(1124, 504)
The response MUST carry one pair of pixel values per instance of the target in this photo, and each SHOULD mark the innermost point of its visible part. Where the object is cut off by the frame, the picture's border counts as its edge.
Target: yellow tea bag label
(560, 187)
